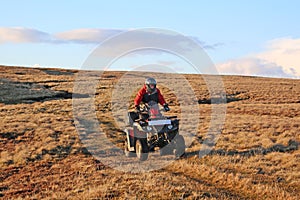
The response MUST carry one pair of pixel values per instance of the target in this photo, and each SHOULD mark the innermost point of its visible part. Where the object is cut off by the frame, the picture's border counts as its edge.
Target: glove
(137, 108)
(166, 107)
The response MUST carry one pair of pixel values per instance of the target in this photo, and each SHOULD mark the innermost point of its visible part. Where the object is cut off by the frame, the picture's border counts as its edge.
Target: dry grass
(256, 156)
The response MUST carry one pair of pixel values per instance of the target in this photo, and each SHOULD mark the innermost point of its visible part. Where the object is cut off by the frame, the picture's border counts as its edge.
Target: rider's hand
(166, 107)
(137, 108)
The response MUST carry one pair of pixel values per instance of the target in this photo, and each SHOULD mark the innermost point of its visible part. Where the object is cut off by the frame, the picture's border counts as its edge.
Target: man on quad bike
(148, 128)
(149, 93)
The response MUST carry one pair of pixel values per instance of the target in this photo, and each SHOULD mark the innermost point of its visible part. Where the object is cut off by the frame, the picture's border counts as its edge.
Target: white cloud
(23, 35)
(279, 59)
(284, 52)
(36, 66)
(87, 35)
(81, 36)
(28, 35)
(204, 45)
(252, 67)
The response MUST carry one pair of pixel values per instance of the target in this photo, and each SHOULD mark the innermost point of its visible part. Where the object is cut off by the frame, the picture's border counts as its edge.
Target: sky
(259, 38)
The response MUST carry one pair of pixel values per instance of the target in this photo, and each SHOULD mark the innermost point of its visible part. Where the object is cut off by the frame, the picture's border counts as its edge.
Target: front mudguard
(130, 139)
(132, 134)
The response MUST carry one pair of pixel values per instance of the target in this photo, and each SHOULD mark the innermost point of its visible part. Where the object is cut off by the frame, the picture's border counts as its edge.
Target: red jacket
(143, 95)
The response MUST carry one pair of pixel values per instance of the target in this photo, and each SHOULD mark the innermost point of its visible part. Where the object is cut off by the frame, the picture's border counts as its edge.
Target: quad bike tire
(179, 146)
(141, 149)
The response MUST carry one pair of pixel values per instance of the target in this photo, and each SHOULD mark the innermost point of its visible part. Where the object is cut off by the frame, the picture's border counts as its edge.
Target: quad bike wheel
(141, 149)
(179, 146)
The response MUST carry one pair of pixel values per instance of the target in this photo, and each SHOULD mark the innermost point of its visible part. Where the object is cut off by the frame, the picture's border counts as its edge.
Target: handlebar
(147, 107)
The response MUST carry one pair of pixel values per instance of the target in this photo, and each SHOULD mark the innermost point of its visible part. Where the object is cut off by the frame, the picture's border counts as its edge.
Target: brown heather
(257, 155)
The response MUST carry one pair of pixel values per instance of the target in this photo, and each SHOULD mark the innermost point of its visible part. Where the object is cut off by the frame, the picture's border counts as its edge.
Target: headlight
(170, 126)
(149, 128)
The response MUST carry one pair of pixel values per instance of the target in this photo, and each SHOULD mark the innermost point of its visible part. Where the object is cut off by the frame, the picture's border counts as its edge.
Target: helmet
(149, 82)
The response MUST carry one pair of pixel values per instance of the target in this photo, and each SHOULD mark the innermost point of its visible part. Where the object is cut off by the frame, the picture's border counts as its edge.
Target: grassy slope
(256, 156)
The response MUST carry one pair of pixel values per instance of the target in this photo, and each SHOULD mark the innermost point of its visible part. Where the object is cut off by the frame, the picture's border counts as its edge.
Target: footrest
(131, 149)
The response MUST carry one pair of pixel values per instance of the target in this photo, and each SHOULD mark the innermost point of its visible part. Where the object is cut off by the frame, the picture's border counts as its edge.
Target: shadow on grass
(14, 92)
(292, 146)
(221, 100)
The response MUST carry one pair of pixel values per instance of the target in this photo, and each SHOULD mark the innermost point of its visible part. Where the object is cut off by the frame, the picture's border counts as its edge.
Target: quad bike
(148, 130)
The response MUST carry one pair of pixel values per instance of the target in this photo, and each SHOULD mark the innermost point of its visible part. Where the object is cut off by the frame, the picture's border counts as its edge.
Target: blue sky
(249, 37)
